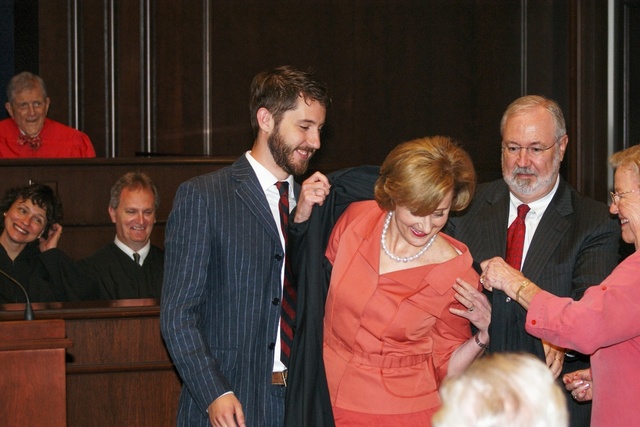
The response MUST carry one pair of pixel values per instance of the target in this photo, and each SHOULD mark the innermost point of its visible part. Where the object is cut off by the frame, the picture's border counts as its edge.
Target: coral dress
(388, 338)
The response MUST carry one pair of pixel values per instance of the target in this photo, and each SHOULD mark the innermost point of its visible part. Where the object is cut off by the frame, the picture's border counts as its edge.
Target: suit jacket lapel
(495, 234)
(553, 226)
(486, 237)
(251, 194)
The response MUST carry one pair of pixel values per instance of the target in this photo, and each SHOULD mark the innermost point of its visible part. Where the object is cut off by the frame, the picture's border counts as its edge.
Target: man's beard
(283, 154)
(530, 186)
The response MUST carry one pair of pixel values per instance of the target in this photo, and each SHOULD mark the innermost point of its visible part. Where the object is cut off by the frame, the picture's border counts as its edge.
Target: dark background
(172, 78)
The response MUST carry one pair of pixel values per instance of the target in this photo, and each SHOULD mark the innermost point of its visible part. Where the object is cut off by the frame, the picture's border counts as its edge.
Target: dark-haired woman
(29, 237)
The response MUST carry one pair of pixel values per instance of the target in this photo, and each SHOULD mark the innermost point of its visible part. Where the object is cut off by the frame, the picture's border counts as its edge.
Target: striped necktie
(289, 293)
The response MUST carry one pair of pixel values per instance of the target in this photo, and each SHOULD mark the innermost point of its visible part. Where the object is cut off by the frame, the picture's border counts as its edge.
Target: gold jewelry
(480, 343)
(525, 283)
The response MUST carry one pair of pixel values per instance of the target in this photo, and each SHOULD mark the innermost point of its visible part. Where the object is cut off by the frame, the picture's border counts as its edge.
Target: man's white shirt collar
(127, 250)
(266, 178)
(537, 207)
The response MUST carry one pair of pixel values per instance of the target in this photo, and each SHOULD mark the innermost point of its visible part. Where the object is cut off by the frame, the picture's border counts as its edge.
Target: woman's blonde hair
(418, 175)
(629, 158)
(503, 389)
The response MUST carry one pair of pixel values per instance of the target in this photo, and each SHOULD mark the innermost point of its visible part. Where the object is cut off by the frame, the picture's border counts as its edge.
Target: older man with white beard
(541, 225)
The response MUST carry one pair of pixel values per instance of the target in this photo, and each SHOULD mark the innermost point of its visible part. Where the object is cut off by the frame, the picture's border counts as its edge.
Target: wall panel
(83, 186)
(173, 77)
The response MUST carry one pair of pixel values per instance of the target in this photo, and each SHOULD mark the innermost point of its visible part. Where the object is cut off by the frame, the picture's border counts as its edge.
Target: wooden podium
(118, 371)
(32, 373)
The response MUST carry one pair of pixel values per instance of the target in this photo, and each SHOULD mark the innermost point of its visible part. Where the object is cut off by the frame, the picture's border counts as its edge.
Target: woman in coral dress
(402, 294)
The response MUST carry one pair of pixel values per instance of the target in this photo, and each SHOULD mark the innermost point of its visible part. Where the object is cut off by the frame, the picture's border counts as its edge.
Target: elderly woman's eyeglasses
(532, 150)
(615, 197)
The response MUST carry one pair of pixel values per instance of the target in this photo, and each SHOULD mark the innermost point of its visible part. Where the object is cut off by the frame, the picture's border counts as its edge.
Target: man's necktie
(515, 238)
(136, 257)
(33, 142)
(289, 292)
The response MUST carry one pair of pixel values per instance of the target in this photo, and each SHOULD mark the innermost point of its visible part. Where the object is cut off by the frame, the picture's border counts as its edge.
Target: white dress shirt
(268, 185)
(537, 209)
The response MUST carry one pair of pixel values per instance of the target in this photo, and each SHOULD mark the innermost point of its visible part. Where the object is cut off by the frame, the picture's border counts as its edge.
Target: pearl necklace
(390, 254)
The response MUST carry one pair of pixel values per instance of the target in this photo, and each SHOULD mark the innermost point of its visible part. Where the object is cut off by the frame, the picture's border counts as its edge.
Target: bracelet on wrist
(524, 284)
(480, 343)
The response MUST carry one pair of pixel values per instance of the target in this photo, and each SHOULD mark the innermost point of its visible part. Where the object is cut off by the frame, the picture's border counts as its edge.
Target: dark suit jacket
(219, 316)
(575, 246)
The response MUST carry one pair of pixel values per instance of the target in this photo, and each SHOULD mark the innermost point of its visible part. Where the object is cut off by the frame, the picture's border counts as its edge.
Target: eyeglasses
(533, 151)
(615, 197)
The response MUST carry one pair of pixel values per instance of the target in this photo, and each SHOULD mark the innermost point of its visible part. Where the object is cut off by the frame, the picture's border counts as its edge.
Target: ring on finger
(471, 308)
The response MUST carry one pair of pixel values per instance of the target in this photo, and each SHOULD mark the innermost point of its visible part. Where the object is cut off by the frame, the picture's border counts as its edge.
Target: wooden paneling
(84, 185)
(32, 373)
(587, 152)
(118, 372)
(173, 77)
(628, 72)
(179, 71)
(397, 70)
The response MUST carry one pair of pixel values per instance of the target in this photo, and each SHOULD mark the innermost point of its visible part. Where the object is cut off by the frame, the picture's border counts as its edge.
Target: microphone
(28, 311)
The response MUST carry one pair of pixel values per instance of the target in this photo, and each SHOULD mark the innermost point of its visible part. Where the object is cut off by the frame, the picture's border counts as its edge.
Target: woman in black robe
(29, 237)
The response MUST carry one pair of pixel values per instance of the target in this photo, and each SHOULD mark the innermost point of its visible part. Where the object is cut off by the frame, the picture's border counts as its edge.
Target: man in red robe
(29, 133)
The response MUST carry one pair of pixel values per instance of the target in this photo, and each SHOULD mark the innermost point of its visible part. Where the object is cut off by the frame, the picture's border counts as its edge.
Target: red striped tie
(289, 293)
(515, 238)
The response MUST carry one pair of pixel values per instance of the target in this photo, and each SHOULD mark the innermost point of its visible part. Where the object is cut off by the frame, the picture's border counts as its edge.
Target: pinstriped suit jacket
(223, 260)
(575, 246)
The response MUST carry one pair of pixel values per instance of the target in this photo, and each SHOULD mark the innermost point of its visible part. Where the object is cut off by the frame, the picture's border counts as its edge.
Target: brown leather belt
(279, 378)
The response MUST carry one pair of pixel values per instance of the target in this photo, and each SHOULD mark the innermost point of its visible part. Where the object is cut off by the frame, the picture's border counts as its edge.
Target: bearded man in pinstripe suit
(224, 260)
(570, 243)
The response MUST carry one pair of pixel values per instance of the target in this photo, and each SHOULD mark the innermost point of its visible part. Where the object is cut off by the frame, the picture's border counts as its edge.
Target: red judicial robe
(58, 141)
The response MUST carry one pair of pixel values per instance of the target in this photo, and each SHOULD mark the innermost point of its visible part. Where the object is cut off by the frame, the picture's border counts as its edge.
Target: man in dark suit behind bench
(130, 266)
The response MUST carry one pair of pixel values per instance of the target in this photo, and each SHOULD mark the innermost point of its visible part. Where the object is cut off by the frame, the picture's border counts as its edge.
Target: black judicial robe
(48, 276)
(307, 394)
(120, 277)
